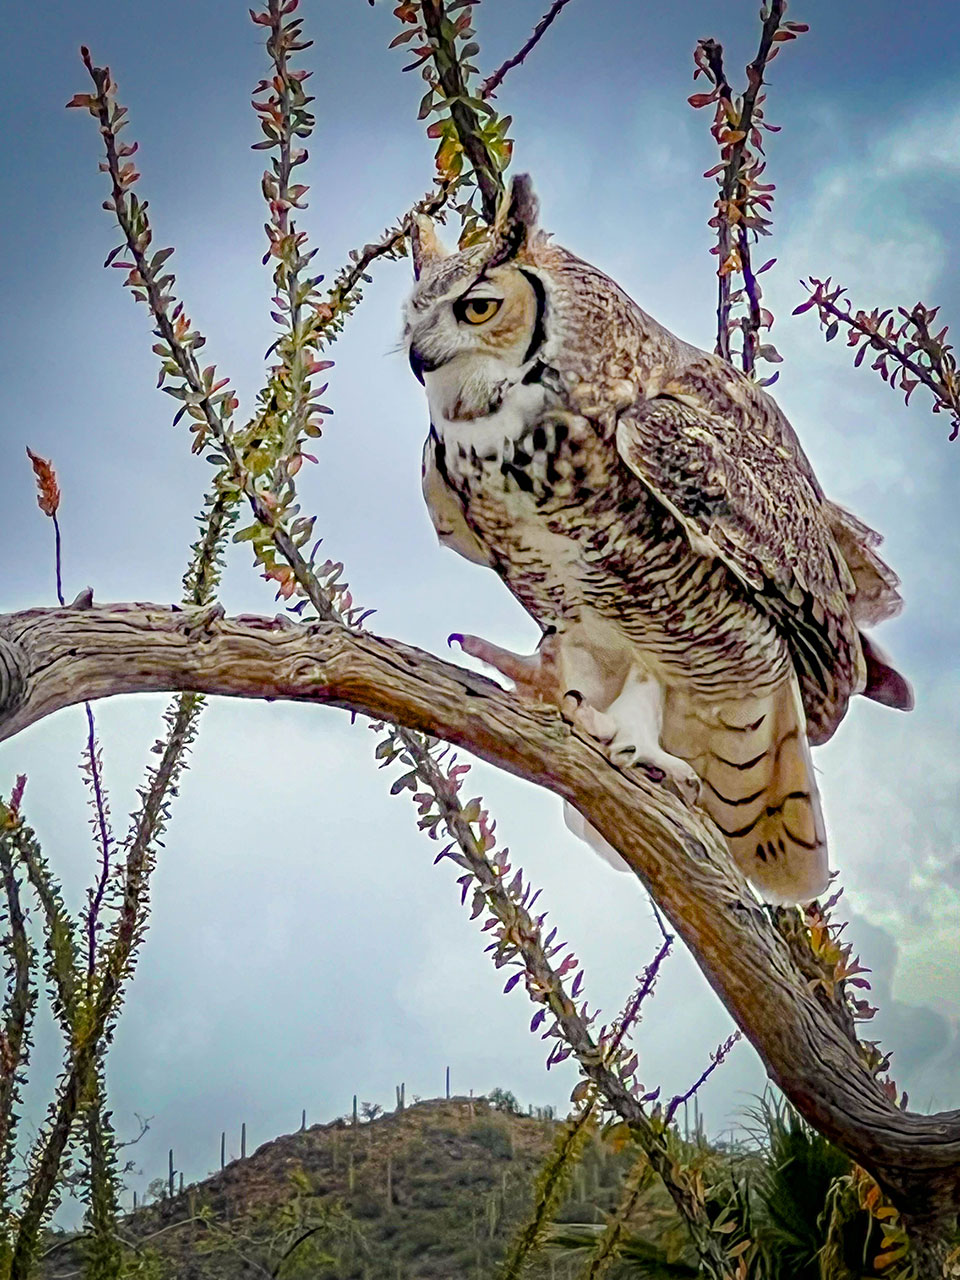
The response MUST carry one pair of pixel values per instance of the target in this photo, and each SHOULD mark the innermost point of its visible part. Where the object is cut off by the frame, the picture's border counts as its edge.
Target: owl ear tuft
(517, 218)
(425, 244)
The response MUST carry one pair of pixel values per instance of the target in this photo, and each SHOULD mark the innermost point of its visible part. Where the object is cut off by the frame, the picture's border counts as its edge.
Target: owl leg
(533, 674)
(555, 673)
(638, 715)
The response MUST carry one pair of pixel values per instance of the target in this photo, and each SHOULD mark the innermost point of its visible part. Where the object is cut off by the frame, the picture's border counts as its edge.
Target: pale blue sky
(303, 947)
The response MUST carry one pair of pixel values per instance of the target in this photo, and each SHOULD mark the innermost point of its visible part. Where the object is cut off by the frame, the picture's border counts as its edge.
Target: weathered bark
(52, 658)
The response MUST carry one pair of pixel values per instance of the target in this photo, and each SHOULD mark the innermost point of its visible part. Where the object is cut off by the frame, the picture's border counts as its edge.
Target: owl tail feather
(884, 682)
(577, 823)
(753, 758)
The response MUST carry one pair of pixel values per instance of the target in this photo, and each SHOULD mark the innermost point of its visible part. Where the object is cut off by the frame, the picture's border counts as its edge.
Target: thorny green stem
(731, 178)
(19, 1005)
(559, 1164)
(605, 1253)
(576, 1033)
(187, 364)
(75, 1090)
(103, 842)
(464, 116)
(943, 393)
(61, 967)
(277, 49)
(105, 1256)
(550, 1191)
(492, 83)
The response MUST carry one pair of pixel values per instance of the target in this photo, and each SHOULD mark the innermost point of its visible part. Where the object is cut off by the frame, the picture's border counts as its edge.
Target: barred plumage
(652, 509)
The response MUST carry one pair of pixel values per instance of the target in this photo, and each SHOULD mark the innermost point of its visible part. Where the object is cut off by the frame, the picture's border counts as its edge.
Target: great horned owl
(650, 506)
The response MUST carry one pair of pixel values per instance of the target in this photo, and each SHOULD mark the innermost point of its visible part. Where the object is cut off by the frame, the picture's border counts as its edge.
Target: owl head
(486, 304)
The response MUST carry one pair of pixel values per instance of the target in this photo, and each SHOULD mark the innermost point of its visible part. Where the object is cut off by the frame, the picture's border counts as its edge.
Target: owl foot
(658, 765)
(595, 724)
(638, 715)
(626, 753)
(534, 674)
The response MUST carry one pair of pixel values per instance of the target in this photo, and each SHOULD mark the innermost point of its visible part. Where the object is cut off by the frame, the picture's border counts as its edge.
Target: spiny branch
(20, 998)
(718, 1056)
(570, 1146)
(918, 355)
(443, 35)
(743, 200)
(552, 1182)
(608, 1246)
(492, 83)
(343, 293)
(210, 404)
(93, 770)
(467, 127)
(606, 1066)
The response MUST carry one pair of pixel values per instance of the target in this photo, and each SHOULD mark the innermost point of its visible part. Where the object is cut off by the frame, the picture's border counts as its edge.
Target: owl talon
(669, 771)
(532, 676)
(592, 722)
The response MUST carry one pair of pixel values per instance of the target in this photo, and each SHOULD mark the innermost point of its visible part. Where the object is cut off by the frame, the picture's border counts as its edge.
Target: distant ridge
(436, 1190)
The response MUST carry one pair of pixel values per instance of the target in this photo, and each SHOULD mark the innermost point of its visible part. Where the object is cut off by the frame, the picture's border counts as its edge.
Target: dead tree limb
(53, 658)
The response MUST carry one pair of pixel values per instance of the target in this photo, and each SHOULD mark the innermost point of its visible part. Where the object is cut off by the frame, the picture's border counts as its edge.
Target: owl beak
(420, 365)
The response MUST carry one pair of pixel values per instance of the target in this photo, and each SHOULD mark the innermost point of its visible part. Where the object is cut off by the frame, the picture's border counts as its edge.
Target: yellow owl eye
(477, 310)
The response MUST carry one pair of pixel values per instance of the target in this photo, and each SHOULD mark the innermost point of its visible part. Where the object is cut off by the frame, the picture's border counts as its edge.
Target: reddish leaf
(16, 795)
(48, 491)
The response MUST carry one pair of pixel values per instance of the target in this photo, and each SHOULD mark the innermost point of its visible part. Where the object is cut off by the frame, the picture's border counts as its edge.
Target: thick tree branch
(52, 658)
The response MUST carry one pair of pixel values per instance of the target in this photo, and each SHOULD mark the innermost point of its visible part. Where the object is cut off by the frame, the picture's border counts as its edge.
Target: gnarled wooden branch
(53, 658)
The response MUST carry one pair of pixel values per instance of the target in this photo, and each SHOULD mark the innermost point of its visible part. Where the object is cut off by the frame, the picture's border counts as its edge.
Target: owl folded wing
(750, 501)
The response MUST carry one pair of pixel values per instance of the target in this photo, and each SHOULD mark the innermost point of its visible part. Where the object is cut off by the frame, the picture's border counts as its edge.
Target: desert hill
(433, 1191)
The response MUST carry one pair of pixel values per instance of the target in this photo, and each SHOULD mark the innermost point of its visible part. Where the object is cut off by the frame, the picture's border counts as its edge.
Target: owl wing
(445, 507)
(745, 494)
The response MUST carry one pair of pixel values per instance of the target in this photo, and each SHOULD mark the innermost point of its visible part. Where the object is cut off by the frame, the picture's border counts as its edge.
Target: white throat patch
(457, 397)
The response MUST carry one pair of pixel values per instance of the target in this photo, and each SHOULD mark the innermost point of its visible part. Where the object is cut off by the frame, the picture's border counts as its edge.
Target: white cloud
(927, 142)
(862, 223)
